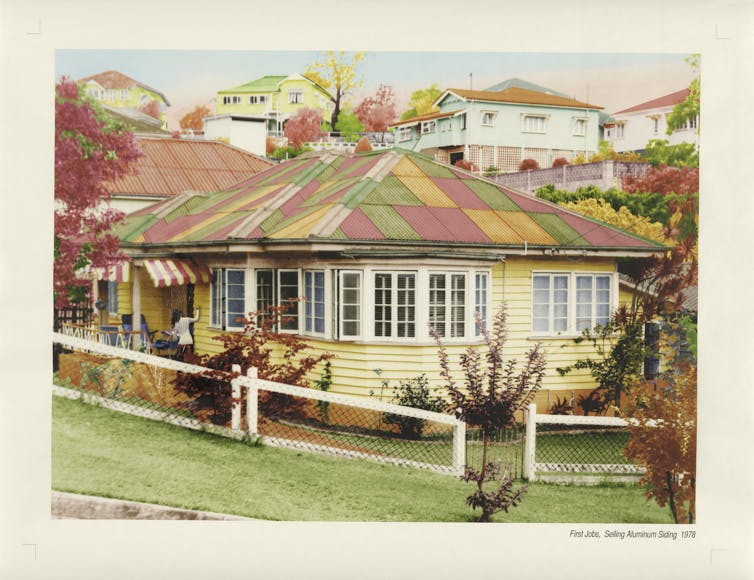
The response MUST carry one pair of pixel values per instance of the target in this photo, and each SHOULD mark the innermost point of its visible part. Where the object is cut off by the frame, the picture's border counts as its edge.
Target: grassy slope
(99, 452)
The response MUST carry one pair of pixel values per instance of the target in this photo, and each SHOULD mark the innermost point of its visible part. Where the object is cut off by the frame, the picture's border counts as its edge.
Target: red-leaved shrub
(528, 164)
(560, 161)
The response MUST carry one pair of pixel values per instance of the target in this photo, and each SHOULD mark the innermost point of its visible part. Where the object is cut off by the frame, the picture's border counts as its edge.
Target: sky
(614, 81)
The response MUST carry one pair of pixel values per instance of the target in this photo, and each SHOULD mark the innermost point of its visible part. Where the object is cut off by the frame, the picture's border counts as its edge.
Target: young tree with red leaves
(91, 150)
(378, 111)
(305, 125)
(194, 120)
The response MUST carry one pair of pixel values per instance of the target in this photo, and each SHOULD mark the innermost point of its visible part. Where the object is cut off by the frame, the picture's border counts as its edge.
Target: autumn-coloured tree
(492, 394)
(622, 218)
(363, 146)
(378, 111)
(665, 180)
(258, 346)
(662, 427)
(152, 108)
(305, 125)
(421, 102)
(336, 72)
(91, 150)
(194, 120)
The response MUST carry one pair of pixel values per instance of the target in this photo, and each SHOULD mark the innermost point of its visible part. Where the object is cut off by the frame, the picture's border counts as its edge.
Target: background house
(274, 98)
(118, 91)
(170, 166)
(631, 129)
(501, 128)
(243, 131)
(379, 246)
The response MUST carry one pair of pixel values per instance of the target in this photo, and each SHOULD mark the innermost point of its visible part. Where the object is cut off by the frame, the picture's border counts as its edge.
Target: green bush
(413, 393)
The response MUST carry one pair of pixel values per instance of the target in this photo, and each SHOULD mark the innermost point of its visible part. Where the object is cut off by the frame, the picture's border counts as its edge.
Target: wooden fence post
(235, 421)
(252, 403)
(530, 443)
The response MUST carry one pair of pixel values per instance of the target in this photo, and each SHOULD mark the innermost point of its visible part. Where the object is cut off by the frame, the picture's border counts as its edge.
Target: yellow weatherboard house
(276, 98)
(118, 91)
(371, 250)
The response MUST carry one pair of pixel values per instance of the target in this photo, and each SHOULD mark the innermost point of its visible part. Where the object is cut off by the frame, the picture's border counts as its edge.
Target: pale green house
(500, 128)
(116, 90)
(275, 98)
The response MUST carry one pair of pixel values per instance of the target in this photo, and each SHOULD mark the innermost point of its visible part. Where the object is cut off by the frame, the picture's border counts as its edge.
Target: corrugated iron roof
(170, 166)
(665, 101)
(522, 96)
(392, 195)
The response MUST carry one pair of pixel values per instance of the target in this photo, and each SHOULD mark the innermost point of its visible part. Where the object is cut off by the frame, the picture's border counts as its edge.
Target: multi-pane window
(232, 100)
(550, 303)
(579, 126)
(257, 99)
(488, 118)
(350, 304)
(592, 301)
(395, 305)
(288, 298)
(428, 127)
(405, 134)
(227, 305)
(295, 96)
(481, 296)
(265, 293)
(447, 304)
(314, 307)
(534, 123)
(619, 130)
(564, 302)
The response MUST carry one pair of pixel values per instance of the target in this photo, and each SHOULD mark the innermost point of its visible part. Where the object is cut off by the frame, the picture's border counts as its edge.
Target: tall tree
(305, 125)
(91, 150)
(336, 72)
(421, 102)
(194, 120)
(378, 111)
(349, 126)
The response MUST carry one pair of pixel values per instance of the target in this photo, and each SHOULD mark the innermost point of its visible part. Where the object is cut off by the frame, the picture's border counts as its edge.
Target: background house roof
(392, 196)
(170, 166)
(138, 121)
(665, 101)
(112, 79)
(265, 84)
(427, 117)
(522, 84)
(520, 96)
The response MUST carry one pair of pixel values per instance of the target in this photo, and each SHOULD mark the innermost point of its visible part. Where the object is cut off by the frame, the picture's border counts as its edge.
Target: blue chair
(148, 336)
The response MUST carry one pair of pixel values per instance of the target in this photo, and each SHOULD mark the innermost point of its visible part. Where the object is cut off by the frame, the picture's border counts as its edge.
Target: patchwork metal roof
(377, 197)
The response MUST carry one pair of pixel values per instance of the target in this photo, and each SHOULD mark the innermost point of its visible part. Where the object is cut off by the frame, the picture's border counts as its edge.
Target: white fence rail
(246, 392)
(590, 428)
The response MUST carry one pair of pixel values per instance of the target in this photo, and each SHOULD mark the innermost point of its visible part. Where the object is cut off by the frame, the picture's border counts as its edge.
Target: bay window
(314, 307)
(349, 303)
(395, 305)
(447, 304)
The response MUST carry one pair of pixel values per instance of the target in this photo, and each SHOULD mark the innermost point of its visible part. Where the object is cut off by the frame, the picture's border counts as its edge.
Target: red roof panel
(357, 226)
(460, 193)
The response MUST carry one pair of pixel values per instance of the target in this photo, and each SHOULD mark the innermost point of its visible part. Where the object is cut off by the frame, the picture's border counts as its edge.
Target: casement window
(579, 126)
(227, 303)
(534, 123)
(428, 127)
(488, 118)
(619, 130)
(349, 304)
(481, 301)
(295, 96)
(447, 304)
(395, 305)
(314, 305)
(405, 134)
(112, 298)
(257, 99)
(569, 303)
(231, 100)
(278, 288)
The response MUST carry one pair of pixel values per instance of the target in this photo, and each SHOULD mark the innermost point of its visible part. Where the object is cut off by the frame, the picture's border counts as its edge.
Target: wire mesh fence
(577, 445)
(237, 405)
(505, 447)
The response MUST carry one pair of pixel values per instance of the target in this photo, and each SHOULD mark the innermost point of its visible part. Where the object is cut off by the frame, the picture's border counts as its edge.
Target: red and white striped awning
(174, 272)
(116, 273)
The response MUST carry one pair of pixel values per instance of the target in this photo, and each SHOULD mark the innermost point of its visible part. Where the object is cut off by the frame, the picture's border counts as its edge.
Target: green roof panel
(491, 195)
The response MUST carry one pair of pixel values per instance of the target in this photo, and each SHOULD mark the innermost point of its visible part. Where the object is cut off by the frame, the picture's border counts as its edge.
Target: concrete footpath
(86, 507)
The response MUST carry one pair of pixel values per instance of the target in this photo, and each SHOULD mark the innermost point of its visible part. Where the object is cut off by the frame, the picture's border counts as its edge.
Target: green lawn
(105, 453)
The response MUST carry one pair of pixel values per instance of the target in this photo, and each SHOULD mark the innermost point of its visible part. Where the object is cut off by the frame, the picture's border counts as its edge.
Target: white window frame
(528, 123)
(219, 314)
(295, 96)
(359, 305)
(619, 130)
(482, 305)
(428, 127)
(572, 327)
(295, 311)
(579, 125)
(112, 298)
(394, 294)
(405, 134)
(310, 318)
(448, 305)
(488, 118)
